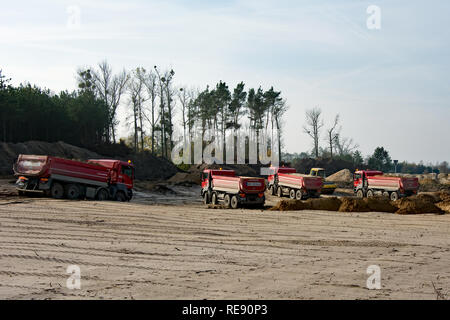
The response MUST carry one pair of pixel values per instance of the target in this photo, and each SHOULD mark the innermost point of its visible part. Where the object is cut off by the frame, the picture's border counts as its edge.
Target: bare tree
(151, 83)
(137, 95)
(313, 125)
(110, 89)
(345, 145)
(278, 110)
(332, 134)
(166, 100)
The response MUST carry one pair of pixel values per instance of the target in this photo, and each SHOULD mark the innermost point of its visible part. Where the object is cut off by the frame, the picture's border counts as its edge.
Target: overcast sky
(391, 86)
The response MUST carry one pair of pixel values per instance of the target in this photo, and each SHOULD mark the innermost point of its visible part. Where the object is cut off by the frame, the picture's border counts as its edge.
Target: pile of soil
(380, 204)
(185, 178)
(341, 176)
(416, 205)
(444, 206)
(290, 205)
(328, 204)
(354, 205)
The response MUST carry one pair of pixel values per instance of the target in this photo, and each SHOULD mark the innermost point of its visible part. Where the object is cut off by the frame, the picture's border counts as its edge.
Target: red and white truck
(368, 183)
(224, 186)
(62, 178)
(298, 186)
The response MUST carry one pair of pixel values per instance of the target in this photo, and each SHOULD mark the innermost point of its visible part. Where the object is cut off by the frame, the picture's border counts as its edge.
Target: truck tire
(57, 191)
(214, 198)
(227, 201)
(360, 194)
(370, 194)
(394, 196)
(206, 198)
(120, 196)
(72, 191)
(299, 195)
(102, 195)
(234, 202)
(386, 194)
(279, 192)
(292, 194)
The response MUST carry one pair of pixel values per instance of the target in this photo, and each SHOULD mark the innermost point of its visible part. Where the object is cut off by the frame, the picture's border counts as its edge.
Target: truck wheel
(214, 198)
(394, 196)
(299, 195)
(234, 202)
(206, 198)
(227, 201)
(120, 196)
(292, 194)
(102, 195)
(72, 192)
(370, 194)
(279, 192)
(360, 194)
(57, 190)
(386, 194)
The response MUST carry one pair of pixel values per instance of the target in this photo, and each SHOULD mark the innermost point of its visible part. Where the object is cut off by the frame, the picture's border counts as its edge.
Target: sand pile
(354, 205)
(425, 203)
(380, 204)
(290, 205)
(341, 176)
(185, 178)
(328, 204)
(415, 205)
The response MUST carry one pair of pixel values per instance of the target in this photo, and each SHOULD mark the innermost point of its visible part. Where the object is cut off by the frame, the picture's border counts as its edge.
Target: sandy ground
(181, 250)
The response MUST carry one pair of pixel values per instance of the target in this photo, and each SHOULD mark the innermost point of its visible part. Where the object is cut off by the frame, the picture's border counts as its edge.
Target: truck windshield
(127, 171)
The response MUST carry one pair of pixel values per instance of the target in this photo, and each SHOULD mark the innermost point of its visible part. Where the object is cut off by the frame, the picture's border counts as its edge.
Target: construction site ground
(170, 246)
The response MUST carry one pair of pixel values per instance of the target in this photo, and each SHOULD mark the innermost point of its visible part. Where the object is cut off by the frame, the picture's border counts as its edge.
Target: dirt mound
(341, 176)
(429, 197)
(185, 178)
(444, 206)
(444, 196)
(416, 205)
(290, 205)
(328, 204)
(353, 205)
(380, 204)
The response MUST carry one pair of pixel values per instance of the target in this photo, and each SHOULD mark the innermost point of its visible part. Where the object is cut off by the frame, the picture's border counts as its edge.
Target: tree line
(30, 113)
(156, 109)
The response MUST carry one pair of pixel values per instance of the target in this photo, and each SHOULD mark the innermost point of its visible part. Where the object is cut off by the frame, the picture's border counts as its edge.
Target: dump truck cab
(328, 187)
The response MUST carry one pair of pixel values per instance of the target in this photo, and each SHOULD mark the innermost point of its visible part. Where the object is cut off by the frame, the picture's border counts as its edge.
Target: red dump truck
(368, 183)
(224, 186)
(298, 186)
(62, 178)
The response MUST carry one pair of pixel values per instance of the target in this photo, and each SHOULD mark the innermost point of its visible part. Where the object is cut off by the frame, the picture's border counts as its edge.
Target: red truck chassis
(368, 183)
(233, 191)
(297, 186)
(59, 178)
